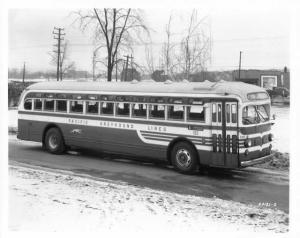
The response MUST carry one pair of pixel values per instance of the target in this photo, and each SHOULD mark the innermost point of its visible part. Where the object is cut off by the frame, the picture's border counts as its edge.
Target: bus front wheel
(54, 142)
(184, 158)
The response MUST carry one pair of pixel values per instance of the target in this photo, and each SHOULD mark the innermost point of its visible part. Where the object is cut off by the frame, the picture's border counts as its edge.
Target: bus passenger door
(218, 155)
(231, 111)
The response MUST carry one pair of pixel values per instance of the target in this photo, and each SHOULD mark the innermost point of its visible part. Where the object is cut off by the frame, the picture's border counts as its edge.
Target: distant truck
(278, 91)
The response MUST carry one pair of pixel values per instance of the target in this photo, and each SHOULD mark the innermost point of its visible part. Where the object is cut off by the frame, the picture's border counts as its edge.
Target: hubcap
(183, 157)
(53, 141)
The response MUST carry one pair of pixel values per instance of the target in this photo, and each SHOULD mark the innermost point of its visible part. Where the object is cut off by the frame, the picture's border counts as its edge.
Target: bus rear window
(28, 104)
(49, 104)
(176, 112)
(139, 110)
(92, 107)
(107, 108)
(61, 105)
(157, 111)
(76, 106)
(38, 104)
(122, 109)
(195, 113)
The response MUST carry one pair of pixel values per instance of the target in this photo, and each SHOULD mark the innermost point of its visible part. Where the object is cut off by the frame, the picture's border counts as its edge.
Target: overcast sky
(262, 36)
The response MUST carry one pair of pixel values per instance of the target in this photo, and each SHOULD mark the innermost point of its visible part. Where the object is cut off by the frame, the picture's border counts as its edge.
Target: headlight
(271, 137)
(248, 143)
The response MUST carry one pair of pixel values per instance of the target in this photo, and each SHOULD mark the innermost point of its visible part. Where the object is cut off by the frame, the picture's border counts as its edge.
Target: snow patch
(49, 201)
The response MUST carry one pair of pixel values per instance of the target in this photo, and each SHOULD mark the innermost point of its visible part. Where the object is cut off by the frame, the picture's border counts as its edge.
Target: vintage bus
(188, 124)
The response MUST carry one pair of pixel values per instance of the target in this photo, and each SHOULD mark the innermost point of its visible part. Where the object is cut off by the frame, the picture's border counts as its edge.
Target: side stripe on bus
(148, 133)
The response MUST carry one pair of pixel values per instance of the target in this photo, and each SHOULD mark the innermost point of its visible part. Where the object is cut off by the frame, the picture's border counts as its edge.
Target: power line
(155, 43)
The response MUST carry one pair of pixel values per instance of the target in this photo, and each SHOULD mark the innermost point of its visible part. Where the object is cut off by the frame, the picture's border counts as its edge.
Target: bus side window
(219, 112)
(49, 104)
(214, 113)
(38, 104)
(228, 113)
(122, 109)
(195, 113)
(107, 108)
(28, 104)
(233, 113)
(76, 106)
(92, 107)
(176, 112)
(157, 111)
(139, 110)
(61, 105)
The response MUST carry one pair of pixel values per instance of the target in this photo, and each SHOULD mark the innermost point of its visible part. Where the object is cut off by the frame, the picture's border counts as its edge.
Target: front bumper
(257, 161)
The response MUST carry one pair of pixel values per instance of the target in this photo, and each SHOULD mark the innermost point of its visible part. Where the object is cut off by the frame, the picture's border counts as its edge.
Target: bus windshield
(254, 114)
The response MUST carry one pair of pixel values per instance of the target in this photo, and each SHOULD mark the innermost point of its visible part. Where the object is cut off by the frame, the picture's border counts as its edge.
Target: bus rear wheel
(184, 158)
(54, 142)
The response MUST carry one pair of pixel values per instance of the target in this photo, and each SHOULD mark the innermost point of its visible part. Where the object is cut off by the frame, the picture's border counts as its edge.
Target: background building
(264, 78)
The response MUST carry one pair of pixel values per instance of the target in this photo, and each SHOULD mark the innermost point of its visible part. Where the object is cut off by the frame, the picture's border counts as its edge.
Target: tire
(184, 158)
(54, 142)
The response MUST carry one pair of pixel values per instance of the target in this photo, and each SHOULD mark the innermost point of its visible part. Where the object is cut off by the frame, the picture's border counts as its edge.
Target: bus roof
(222, 87)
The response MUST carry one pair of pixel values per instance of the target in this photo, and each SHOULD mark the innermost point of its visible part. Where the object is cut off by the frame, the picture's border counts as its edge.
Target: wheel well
(176, 140)
(49, 126)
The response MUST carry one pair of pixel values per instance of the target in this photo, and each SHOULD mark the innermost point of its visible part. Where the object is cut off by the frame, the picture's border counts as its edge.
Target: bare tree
(149, 67)
(167, 49)
(65, 63)
(194, 48)
(114, 30)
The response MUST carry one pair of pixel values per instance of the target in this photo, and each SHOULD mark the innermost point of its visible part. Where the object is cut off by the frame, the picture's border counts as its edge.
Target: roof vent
(168, 81)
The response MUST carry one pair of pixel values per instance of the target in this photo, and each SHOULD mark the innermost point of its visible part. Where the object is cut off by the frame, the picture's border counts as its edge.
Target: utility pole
(57, 32)
(123, 68)
(24, 74)
(240, 62)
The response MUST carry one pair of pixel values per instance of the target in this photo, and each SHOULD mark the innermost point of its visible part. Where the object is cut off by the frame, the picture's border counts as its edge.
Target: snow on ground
(49, 200)
(13, 118)
(281, 128)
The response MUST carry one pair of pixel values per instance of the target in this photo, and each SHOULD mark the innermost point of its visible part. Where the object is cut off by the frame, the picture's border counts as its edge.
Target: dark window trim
(191, 120)
(175, 119)
(120, 115)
